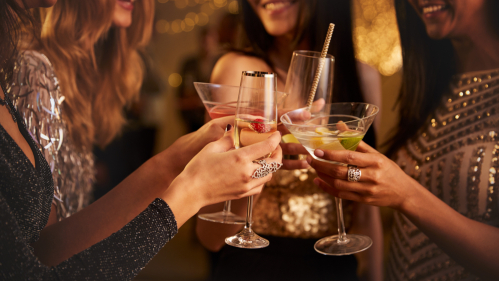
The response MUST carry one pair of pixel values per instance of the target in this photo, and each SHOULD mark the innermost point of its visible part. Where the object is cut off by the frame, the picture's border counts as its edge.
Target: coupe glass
(336, 126)
(220, 101)
(256, 120)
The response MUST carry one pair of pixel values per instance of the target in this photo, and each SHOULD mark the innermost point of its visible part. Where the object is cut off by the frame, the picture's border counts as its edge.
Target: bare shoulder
(228, 68)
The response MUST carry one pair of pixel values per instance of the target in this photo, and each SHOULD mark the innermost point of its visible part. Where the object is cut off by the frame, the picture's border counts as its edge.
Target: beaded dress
(455, 156)
(26, 194)
(36, 94)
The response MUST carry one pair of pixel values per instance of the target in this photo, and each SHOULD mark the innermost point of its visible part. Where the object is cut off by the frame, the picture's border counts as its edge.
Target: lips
(126, 4)
(277, 5)
(431, 8)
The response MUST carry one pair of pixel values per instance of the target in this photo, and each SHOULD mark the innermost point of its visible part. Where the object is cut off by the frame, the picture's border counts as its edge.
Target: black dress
(26, 194)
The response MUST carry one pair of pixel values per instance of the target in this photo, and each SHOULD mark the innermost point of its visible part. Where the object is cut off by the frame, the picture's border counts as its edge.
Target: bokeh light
(203, 19)
(376, 36)
(233, 7)
(175, 80)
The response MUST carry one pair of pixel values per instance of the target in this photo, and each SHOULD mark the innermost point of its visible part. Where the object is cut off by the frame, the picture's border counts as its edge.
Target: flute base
(223, 217)
(247, 239)
(351, 244)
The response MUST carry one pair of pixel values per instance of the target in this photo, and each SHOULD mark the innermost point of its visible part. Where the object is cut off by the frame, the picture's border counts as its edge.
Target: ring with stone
(353, 173)
(265, 169)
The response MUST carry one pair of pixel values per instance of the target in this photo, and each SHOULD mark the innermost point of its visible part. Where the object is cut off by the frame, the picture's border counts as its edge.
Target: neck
(478, 51)
(282, 50)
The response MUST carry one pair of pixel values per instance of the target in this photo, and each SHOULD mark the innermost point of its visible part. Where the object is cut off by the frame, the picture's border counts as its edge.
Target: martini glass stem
(227, 206)
(341, 223)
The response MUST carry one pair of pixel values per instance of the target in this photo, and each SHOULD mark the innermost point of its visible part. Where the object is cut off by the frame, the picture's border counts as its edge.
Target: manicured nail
(229, 126)
(319, 153)
(317, 182)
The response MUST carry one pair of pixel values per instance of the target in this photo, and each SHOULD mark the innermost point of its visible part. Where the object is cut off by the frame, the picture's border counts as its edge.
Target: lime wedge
(350, 143)
(289, 138)
(335, 145)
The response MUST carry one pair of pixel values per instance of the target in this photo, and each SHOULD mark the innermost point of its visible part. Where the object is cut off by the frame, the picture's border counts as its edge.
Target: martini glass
(337, 126)
(220, 101)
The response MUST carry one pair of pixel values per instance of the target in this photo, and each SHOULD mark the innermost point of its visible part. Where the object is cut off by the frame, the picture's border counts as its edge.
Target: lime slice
(350, 143)
(335, 145)
(289, 138)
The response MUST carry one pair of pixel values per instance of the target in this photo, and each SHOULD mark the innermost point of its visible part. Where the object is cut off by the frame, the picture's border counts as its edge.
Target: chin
(122, 23)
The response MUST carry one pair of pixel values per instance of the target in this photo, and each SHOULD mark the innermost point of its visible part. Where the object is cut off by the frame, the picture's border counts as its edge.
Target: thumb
(225, 143)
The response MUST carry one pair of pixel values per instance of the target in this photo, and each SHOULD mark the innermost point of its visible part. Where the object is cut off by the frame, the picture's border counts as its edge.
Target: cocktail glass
(336, 126)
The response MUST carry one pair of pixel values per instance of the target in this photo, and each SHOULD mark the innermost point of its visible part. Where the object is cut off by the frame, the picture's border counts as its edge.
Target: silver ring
(354, 173)
(265, 169)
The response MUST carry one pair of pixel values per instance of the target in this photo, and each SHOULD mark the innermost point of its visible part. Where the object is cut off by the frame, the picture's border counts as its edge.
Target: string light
(207, 8)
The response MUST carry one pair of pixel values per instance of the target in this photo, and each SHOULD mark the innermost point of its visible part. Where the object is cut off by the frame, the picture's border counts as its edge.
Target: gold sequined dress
(36, 94)
(456, 158)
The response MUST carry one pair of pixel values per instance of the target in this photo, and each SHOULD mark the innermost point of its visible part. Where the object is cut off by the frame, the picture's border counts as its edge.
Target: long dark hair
(12, 18)
(314, 19)
(428, 67)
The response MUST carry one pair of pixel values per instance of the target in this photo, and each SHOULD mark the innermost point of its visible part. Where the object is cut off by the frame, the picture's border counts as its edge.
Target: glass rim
(312, 54)
(258, 74)
(283, 120)
(232, 86)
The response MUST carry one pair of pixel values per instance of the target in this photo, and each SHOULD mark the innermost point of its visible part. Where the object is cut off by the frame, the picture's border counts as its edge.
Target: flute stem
(341, 223)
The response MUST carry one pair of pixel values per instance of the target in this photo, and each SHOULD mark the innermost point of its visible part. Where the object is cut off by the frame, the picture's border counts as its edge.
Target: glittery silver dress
(37, 96)
(26, 194)
(456, 158)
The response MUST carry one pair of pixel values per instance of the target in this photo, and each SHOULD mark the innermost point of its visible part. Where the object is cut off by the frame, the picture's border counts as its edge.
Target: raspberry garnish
(259, 126)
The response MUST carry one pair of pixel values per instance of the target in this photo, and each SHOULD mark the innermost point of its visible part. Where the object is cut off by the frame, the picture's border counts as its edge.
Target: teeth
(431, 9)
(276, 6)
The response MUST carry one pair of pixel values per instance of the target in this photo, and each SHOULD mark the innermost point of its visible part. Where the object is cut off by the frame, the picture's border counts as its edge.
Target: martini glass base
(247, 239)
(223, 217)
(352, 244)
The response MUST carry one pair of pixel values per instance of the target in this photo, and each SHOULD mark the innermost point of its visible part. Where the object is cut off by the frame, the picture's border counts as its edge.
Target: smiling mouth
(428, 10)
(277, 5)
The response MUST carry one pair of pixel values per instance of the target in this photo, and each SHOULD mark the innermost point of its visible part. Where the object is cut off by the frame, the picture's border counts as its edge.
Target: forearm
(104, 217)
(366, 220)
(472, 244)
(212, 235)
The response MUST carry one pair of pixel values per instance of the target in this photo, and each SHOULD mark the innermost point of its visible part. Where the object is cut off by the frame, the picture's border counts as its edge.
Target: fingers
(223, 121)
(224, 144)
(347, 157)
(294, 164)
(261, 149)
(317, 105)
(348, 195)
(364, 147)
(293, 149)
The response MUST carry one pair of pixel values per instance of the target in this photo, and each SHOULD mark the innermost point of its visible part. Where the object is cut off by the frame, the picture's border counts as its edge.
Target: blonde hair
(98, 66)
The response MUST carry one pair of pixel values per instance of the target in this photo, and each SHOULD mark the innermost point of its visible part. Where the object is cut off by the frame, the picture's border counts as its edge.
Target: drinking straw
(318, 73)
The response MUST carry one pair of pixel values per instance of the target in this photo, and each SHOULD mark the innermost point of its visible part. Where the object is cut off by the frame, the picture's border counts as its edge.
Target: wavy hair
(98, 65)
(14, 19)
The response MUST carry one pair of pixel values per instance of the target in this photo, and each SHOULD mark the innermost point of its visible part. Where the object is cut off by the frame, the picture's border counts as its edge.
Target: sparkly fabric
(456, 158)
(25, 197)
(37, 96)
(291, 205)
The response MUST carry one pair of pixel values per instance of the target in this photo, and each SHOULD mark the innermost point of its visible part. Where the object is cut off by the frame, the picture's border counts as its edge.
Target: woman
(275, 30)
(116, 236)
(444, 181)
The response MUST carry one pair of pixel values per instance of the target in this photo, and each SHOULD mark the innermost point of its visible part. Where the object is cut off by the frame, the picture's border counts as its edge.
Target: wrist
(412, 195)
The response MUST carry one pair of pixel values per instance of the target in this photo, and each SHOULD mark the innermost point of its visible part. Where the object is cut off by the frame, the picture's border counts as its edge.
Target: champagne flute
(336, 126)
(256, 120)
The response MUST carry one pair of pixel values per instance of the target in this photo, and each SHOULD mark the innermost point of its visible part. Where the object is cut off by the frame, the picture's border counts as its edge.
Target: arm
(474, 245)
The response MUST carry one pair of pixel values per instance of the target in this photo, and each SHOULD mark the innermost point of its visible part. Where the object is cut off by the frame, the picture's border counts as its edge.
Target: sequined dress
(455, 157)
(26, 194)
(36, 94)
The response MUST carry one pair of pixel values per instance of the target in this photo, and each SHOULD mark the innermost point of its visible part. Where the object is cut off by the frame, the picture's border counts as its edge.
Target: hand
(219, 173)
(187, 146)
(382, 182)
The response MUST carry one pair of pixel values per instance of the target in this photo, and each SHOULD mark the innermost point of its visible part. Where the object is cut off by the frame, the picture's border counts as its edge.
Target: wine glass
(256, 120)
(301, 74)
(220, 101)
(336, 126)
